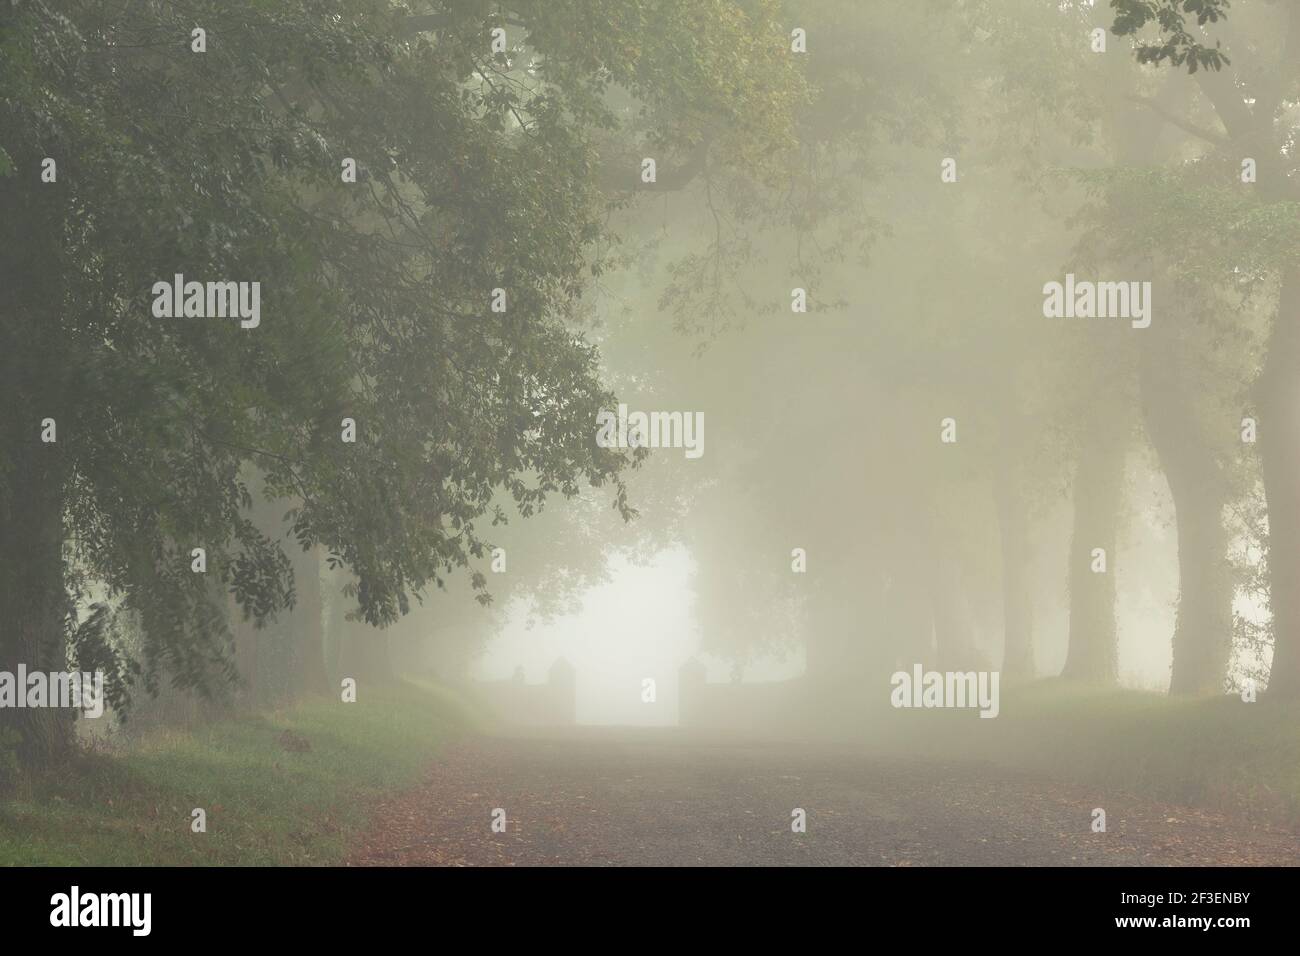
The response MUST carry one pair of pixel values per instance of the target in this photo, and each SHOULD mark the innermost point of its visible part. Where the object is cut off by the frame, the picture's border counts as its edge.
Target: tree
(224, 164)
(1257, 227)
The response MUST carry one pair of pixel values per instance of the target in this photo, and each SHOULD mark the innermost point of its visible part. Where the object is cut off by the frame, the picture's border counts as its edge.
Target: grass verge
(266, 804)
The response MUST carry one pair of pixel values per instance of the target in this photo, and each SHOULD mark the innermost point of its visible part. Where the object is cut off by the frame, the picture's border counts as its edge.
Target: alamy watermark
(208, 300)
(55, 689)
(651, 430)
(922, 688)
(75, 908)
(1101, 300)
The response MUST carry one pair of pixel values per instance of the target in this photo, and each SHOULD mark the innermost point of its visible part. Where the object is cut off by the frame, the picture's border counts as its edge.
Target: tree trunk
(1278, 399)
(1017, 597)
(1203, 628)
(1202, 641)
(1098, 496)
(307, 622)
(33, 602)
(33, 598)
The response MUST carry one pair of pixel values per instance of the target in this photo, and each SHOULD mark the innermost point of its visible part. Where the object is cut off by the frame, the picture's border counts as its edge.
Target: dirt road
(599, 796)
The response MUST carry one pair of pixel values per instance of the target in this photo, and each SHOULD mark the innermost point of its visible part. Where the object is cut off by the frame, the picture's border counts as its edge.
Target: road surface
(661, 796)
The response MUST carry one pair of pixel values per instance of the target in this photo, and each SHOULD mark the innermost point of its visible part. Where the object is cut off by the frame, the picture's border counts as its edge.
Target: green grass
(265, 805)
(1220, 752)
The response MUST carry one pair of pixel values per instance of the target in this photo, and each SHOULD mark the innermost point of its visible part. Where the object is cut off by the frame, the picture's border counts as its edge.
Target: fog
(790, 407)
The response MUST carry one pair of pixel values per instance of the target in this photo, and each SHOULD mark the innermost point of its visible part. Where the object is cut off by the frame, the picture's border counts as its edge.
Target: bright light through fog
(640, 625)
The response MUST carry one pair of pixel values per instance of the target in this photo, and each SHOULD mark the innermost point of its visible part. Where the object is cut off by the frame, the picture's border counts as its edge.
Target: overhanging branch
(1209, 135)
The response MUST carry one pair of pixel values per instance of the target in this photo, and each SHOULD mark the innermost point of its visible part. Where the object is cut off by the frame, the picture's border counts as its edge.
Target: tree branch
(1209, 135)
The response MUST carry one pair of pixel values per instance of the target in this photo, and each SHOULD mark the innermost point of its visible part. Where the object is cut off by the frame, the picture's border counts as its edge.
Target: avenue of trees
(212, 140)
(462, 260)
(1171, 159)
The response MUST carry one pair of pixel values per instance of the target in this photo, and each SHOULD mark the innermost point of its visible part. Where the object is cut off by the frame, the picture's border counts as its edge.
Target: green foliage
(1240, 237)
(476, 172)
(1176, 43)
